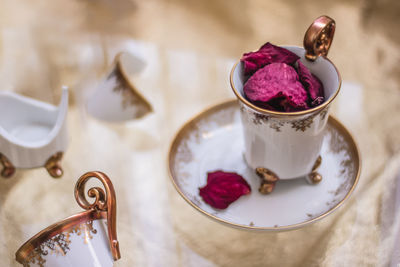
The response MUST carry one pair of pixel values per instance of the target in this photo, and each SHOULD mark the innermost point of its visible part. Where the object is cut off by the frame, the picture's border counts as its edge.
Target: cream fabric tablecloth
(189, 48)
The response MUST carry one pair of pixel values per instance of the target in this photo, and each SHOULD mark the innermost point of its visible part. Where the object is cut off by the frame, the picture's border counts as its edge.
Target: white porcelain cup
(80, 240)
(116, 98)
(85, 239)
(287, 143)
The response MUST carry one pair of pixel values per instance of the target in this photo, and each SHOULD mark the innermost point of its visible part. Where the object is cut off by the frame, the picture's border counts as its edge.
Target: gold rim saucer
(188, 169)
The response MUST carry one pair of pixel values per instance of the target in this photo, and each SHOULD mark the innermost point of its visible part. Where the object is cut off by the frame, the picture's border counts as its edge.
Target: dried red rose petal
(223, 188)
(267, 54)
(312, 84)
(276, 86)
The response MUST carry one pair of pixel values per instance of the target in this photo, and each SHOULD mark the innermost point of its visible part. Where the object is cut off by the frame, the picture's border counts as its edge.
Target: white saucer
(213, 141)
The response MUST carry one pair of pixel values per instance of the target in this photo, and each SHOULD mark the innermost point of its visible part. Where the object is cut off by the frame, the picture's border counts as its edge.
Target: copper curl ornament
(103, 201)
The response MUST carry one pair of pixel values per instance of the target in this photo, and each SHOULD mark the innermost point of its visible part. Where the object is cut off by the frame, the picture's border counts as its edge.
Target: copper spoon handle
(318, 37)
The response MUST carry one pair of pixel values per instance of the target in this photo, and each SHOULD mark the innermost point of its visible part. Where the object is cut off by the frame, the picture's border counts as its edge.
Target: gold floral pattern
(299, 125)
(260, 118)
(59, 244)
(302, 125)
(276, 125)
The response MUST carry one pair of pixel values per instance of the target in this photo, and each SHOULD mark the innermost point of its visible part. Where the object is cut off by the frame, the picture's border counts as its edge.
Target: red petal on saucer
(277, 87)
(223, 188)
(267, 54)
(312, 84)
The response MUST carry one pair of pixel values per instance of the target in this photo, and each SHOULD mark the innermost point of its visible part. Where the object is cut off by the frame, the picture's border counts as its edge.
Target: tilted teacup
(85, 239)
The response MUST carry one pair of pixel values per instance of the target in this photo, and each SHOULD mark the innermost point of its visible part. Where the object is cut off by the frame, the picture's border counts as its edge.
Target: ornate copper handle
(318, 37)
(104, 201)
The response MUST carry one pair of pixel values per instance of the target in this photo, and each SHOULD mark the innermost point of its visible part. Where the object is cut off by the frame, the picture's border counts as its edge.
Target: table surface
(189, 48)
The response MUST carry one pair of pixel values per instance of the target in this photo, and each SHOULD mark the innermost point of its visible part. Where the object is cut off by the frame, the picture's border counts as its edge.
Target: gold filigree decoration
(84, 229)
(129, 96)
(304, 124)
(260, 118)
(276, 125)
(59, 244)
(298, 125)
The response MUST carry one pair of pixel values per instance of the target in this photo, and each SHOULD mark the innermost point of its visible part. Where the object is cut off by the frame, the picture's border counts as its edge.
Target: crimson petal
(223, 188)
(276, 86)
(312, 84)
(267, 54)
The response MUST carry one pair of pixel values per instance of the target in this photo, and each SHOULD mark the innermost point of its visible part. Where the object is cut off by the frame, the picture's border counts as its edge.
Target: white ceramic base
(214, 141)
(32, 131)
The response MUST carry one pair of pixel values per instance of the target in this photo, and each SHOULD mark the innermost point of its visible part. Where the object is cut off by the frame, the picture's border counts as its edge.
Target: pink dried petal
(311, 83)
(223, 188)
(276, 86)
(267, 54)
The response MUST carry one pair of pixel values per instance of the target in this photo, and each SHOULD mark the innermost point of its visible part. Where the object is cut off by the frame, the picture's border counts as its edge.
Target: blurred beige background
(189, 47)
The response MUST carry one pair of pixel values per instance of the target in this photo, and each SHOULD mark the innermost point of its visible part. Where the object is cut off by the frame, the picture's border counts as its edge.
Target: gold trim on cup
(188, 126)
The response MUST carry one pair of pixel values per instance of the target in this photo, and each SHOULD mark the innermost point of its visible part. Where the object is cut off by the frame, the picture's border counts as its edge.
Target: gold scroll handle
(104, 201)
(318, 37)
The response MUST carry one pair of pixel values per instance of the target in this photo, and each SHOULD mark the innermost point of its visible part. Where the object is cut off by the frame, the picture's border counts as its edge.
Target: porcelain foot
(53, 165)
(8, 168)
(314, 177)
(268, 180)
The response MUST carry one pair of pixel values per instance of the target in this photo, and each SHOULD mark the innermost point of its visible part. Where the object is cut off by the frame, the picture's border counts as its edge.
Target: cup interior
(130, 64)
(321, 67)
